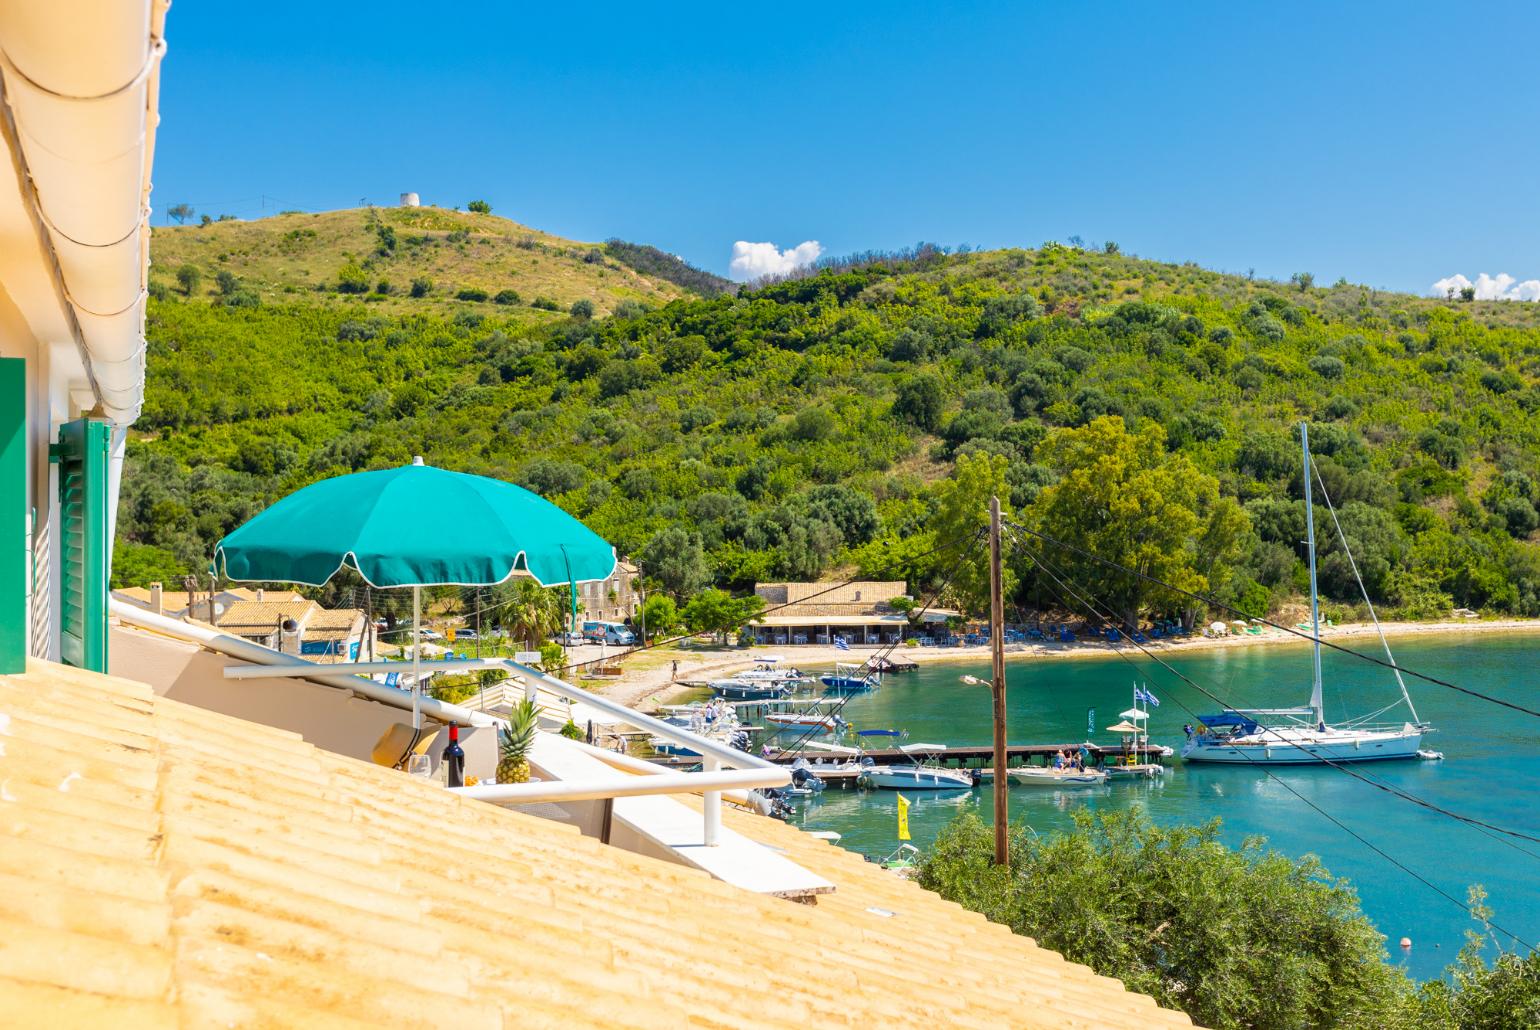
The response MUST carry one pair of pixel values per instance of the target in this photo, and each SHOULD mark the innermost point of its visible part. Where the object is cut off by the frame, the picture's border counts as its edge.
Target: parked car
(570, 639)
(465, 634)
(431, 634)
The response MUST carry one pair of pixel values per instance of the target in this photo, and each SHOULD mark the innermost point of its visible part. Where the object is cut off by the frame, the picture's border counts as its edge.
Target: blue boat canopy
(1246, 723)
(879, 733)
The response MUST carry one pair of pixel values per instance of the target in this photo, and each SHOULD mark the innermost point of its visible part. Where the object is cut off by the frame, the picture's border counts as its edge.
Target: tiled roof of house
(265, 614)
(163, 865)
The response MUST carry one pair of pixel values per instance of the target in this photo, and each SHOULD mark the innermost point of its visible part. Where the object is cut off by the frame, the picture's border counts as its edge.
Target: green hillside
(852, 419)
(375, 255)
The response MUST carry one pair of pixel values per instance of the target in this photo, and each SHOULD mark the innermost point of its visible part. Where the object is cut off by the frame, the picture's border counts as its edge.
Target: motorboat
(1301, 736)
(751, 690)
(1038, 776)
(849, 678)
(768, 669)
(918, 775)
(804, 722)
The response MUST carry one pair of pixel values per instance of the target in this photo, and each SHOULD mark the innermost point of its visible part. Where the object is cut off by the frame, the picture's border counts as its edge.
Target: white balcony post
(713, 805)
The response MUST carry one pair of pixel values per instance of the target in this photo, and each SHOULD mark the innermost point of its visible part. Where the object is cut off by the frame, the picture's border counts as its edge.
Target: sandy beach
(649, 678)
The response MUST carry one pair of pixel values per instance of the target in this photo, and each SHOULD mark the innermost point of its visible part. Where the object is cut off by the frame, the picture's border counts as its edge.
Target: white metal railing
(742, 771)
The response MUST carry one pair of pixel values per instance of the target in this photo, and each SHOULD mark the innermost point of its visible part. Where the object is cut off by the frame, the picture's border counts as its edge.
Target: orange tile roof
(163, 865)
(265, 614)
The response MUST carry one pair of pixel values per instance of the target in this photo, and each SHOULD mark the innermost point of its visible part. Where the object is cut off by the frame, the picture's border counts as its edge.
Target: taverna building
(859, 613)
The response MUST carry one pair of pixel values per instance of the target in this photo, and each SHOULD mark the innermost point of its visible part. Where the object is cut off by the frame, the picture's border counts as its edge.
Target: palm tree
(530, 611)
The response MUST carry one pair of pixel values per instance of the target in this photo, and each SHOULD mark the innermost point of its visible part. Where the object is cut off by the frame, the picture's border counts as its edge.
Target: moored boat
(1037, 776)
(917, 776)
(749, 690)
(1301, 736)
(849, 678)
(805, 721)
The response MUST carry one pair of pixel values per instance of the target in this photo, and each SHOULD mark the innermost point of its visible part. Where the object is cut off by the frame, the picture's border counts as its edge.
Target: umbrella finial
(417, 459)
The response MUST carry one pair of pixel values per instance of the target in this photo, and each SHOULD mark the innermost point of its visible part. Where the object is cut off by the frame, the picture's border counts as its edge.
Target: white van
(608, 632)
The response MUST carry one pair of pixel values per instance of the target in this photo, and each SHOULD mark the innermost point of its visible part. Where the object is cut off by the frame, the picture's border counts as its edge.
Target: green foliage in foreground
(1233, 937)
(813, 426)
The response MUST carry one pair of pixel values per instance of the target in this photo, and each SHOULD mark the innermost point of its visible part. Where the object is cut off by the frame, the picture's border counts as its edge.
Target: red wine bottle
(453, 759)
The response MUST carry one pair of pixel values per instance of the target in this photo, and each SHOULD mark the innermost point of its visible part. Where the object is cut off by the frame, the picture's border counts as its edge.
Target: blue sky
(1391, 144)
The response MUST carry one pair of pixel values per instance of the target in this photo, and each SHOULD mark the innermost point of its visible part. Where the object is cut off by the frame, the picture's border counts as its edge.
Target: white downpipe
(245, 650)
(713, 803)
(417, 658)
(625, 786)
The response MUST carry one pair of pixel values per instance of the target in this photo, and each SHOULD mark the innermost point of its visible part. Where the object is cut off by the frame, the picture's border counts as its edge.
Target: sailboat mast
(1315, 603)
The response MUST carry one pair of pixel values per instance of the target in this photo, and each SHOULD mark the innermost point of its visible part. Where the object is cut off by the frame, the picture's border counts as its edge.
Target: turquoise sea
(1491, 770)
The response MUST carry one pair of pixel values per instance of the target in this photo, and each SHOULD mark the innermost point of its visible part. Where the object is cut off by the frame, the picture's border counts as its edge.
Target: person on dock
(673, 672)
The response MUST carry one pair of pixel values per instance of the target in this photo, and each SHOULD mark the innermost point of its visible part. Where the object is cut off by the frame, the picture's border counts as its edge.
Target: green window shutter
(83, 454)
(15, 543)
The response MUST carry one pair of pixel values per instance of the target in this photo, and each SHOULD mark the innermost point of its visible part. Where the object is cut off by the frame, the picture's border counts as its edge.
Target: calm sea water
(1491, 770)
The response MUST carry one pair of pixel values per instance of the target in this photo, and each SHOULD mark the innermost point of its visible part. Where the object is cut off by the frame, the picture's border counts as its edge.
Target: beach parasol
(415, 526)
(1123, 727)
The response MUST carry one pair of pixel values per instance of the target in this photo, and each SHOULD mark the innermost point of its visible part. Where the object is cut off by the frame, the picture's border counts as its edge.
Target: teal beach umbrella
(415, 526)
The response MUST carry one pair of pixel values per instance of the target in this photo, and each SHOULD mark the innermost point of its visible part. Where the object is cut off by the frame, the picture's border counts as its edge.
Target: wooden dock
(976, 756)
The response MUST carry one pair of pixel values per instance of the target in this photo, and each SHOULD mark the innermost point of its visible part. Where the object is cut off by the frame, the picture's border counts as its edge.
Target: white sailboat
(1301, 736)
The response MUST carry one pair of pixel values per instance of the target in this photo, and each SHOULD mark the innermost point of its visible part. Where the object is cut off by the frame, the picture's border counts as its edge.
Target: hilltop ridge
(418, 259)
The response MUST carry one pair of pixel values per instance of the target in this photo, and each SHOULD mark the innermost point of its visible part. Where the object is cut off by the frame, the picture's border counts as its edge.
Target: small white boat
(767, 669)
(1135, 771)
(918, 776)
(1034, 776)
(915, 777)
(805, 721)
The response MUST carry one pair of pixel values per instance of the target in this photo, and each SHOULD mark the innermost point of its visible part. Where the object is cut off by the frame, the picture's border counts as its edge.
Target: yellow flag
(450, 634)
(903, 817)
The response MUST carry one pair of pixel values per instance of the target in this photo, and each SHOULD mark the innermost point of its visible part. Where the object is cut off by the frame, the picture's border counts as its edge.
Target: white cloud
(756, 260)
(1489, 287)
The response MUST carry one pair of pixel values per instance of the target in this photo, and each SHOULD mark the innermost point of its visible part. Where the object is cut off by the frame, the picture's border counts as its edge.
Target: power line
(1221, 605)
(1274, 777)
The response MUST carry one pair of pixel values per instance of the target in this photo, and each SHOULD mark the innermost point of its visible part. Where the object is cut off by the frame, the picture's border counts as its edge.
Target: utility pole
(997, 654)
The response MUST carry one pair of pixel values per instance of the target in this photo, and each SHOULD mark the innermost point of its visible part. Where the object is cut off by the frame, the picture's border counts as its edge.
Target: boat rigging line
(1091, 604)
(1214, 602)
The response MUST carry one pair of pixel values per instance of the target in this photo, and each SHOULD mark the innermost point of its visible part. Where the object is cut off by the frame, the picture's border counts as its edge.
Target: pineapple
(514, 742)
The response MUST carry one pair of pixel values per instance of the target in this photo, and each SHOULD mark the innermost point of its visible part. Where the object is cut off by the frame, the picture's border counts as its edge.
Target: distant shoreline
(648, 688)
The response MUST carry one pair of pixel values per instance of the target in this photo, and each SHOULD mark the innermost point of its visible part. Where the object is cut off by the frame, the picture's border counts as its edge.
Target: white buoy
(1406, 944)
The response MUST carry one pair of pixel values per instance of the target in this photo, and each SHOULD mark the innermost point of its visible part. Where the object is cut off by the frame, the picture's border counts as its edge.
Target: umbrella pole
(417, 658)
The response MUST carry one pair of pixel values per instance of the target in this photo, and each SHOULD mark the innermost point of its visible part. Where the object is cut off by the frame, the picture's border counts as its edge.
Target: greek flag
(841, 643)
(1140, 694)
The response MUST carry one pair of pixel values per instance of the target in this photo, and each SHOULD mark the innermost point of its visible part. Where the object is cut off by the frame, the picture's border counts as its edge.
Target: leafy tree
(506, 297)
(919, 402)
(188, 277)
(583, 308)
(1303, 280)
(181, 212)
(847, 510)
(660, 615)
(480, 207)
(716, 611)
(139, 565)
(962, 515)
(421, 286)
(1241, 937)
(1123, 499)
(227, 282)
(675, 557)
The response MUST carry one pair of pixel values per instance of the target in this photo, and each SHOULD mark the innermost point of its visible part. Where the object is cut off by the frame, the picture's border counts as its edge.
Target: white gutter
(246, 651)
(81, 81)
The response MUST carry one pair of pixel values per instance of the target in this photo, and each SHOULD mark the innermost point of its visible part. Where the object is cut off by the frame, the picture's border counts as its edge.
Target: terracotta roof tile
(161, 865)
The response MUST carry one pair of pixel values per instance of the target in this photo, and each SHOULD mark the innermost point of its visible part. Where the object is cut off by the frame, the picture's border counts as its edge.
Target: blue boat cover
(879, 733)
(1245, 722)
